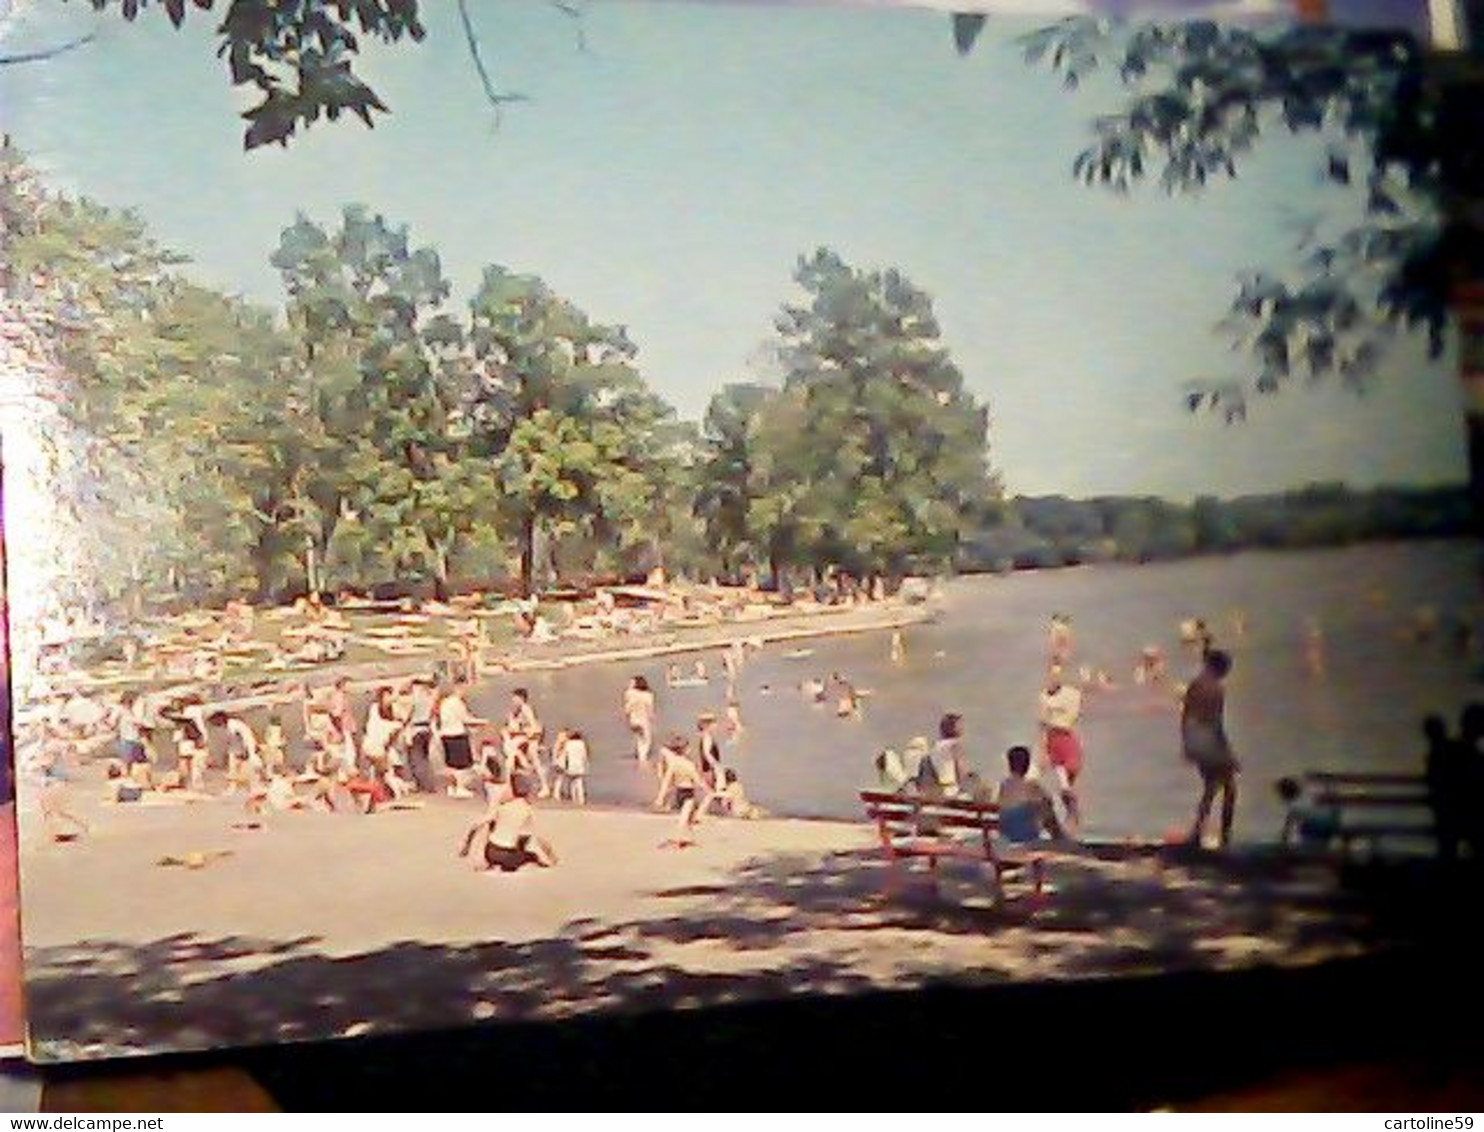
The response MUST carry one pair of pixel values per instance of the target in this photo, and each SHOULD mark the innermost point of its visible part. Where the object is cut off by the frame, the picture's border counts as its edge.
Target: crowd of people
(420, 737)
(1039, 797)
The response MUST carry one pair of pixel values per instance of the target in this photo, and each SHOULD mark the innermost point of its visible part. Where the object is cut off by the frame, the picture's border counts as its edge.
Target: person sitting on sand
(505, 836)
(1026, 810)
(326, 767)
(692, 793)
(732, 799)
(122, 788)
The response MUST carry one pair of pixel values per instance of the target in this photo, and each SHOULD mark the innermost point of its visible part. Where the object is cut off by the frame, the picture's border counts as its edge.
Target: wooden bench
(933, 829)
(1347, 793)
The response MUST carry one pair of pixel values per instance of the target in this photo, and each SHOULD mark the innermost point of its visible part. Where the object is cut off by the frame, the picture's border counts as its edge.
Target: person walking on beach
(1061, 711)
(343, 710)
(708, 748)
(692, 794)
(454, 723)
(639, 712)
(422, 704)
(1204, 743)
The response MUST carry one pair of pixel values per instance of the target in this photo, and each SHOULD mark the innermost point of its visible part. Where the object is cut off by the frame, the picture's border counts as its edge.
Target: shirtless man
(1204, 743)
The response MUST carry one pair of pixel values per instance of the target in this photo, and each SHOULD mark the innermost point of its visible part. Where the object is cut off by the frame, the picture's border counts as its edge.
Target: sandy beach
(321, 925)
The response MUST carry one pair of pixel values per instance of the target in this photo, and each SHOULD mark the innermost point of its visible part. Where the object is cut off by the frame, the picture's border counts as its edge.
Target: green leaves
(299, 55)
(873, 452)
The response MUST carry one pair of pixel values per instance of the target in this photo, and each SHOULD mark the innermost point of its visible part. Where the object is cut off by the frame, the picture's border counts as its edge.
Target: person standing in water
(1061, 711)
(898, 648)
(1204, 743)
(1314, 648)
(1060, 638)
(639, 712)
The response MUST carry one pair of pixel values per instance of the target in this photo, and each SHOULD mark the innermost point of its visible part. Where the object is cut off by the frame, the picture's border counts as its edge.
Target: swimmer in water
(813, 689)
(1314, 648)
(848, 706)
(1059, 637)
(1237, 621)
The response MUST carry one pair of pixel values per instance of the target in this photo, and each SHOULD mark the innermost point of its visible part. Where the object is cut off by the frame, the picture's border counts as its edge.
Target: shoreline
(551, 657)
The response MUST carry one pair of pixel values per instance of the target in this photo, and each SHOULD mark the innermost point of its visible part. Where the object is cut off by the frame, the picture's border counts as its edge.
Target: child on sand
(190, 754)
(732, 799)
(692, 794)
(576, 767)
(559, 765)
(275, 746)
(708, 748)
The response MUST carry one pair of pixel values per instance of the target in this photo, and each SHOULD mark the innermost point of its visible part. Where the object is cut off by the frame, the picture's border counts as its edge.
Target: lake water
(985, 657)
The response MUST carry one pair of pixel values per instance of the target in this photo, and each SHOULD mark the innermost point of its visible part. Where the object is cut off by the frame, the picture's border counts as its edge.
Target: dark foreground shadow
(799, 925)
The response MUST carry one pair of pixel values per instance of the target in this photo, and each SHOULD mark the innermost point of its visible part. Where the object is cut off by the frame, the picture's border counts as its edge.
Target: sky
(668, 178)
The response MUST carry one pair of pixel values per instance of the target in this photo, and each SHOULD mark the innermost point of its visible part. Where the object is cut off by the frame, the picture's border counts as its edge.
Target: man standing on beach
(1061, 709)
(1204, 743)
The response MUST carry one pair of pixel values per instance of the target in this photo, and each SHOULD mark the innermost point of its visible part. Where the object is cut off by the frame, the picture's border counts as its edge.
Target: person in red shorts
(1061, 709)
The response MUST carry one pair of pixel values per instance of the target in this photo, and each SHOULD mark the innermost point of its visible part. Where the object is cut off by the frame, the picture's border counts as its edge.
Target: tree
(563, 414)
(386, 381)
(874, 453)
(1405, 125)
(724, 493)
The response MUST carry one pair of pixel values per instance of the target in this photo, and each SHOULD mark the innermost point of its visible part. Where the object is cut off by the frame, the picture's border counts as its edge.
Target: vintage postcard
(521, 509)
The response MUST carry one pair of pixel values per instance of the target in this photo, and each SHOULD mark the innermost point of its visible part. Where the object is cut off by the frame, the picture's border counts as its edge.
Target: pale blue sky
(668, 179)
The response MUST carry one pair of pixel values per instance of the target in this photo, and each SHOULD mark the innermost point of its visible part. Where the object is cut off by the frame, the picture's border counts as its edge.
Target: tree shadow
(778, 926)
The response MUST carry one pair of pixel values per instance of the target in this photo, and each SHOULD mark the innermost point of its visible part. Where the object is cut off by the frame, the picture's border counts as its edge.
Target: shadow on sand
(780, 926)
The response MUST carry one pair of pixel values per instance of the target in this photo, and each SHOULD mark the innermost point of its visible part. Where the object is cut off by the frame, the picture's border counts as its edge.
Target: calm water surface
(985, 656)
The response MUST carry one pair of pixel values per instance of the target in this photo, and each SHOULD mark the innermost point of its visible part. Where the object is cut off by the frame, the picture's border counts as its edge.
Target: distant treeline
(1030, 532)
